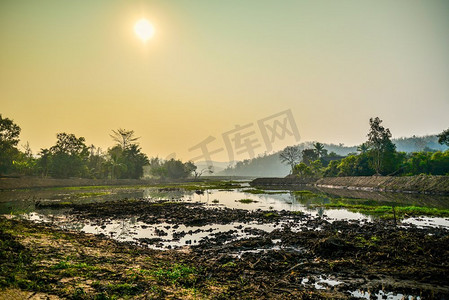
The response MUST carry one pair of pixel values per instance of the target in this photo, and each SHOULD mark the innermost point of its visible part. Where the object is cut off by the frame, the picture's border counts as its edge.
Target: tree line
(377, 156)
(70, 156)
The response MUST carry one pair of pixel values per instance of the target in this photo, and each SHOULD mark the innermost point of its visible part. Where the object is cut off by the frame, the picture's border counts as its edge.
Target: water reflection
(23, 202)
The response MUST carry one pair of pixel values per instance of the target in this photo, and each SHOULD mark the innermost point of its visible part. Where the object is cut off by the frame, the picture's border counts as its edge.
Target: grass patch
(260, 191)
(92, 194)
(76, 188)
(388, 211)
(246, 201)
(178, 274)
(271, 215)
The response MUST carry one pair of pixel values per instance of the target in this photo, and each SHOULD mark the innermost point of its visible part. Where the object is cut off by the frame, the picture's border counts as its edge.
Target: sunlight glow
(144, 30)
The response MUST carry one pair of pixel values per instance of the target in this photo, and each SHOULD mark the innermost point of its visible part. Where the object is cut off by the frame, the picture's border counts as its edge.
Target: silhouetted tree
(290, 155)
(124, 138)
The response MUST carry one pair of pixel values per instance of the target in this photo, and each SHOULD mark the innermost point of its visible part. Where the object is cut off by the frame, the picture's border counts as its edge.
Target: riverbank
(425, 184)
(27, 182)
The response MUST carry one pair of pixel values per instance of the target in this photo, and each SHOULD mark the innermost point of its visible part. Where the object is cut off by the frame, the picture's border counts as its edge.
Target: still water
(166, 236)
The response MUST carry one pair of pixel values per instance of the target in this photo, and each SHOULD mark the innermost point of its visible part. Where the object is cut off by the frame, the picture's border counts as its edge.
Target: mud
(303, 257)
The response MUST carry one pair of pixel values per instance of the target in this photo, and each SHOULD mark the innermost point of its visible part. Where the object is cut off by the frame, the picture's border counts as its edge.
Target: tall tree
(124, 138)
(443, 138)
(379, 140)
(9, 138)
(290, 155)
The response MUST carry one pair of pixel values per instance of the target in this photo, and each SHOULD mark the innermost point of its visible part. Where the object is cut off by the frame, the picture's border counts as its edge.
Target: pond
(166, 236)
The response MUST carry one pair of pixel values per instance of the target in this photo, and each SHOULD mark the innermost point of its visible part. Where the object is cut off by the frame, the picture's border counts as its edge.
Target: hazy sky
(78, 67)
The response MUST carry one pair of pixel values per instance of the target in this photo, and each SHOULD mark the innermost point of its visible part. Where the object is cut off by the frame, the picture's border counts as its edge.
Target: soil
(362, 256)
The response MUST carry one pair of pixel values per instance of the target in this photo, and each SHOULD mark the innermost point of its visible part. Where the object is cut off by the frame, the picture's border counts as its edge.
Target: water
(164, 235)
(380, 295)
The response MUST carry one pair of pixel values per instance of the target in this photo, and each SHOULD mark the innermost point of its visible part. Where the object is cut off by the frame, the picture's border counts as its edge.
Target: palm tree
(319, 149)
(363, 148)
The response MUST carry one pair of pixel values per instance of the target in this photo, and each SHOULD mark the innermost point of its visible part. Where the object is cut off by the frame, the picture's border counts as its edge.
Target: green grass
(246, 201)
(92, 194)
(75, 188)
(305, 194)
(260, 191)
(271, 215)
(178, 274)
(386, 211)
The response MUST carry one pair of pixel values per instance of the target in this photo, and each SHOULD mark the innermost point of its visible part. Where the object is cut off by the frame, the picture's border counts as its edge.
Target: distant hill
(271, 166)
(415, 143)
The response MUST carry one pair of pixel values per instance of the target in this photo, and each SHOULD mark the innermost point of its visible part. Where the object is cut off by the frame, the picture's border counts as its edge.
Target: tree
(25, 163)
(176, 169)
(290, 155)
(332, 169)
(114, 162)
(380, 143)
(443, 138)
(319, 149)
(134, 161)
(197, 174)
(309, 155)
(363, 148)
(96, 163)
(124, 138)
(69, 156)
(302, 170)
(44, 162)
(9, 138)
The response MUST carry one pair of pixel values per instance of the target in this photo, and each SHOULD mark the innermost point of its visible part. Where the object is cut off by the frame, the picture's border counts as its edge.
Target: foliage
(380, 144)
(68, 156)
(126, 162)
(319, 149)
(9, 138)
(172, 169)
(290, 155)
(309, 155)
(443, 138)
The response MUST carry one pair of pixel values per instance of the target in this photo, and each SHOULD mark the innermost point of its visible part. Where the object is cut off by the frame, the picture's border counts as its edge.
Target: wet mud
(303, 257)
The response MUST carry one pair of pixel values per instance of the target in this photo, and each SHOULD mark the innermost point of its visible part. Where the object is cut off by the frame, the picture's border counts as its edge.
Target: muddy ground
(40, 260)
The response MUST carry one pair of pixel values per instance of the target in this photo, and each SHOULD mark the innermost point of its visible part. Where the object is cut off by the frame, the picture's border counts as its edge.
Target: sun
(144, 30)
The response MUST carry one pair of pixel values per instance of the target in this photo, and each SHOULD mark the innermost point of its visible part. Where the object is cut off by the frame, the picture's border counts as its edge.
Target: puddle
(381, 295)
(320, 283)
(423, 222)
